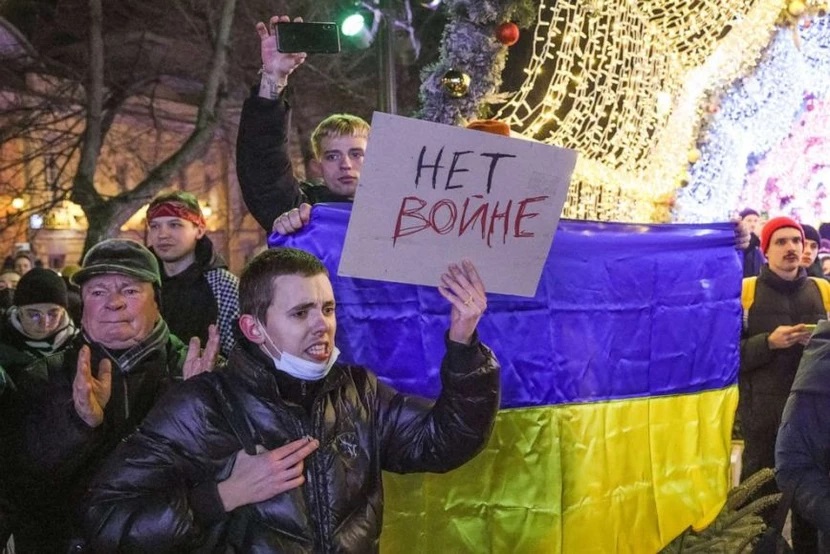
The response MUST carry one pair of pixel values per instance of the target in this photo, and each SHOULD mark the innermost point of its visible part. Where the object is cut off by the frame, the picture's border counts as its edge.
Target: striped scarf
(48, 345)
(127, 360)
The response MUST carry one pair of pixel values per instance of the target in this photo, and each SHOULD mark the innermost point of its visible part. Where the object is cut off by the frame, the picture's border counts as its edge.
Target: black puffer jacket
(159, 492)
(263, 165)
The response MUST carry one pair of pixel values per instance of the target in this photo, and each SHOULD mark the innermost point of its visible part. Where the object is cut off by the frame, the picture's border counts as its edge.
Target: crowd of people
(185, 409)
(150, 400)
(786, 303)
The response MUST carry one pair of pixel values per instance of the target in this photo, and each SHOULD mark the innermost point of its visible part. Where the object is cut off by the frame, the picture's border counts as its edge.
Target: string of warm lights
(627, 84)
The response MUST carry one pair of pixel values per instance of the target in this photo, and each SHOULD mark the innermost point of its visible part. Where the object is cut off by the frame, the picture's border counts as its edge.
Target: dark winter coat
(753, 258)
(203, 294)
(158, 493)
(17, 352)
(263, 165)
(766, 375)
(802, 452)
(60, 453)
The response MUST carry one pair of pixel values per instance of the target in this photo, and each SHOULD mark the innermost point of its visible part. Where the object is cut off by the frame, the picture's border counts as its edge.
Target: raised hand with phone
(276, 65)
(278, 200)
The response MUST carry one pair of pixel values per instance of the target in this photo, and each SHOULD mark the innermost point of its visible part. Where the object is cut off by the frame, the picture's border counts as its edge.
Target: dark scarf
(126, 360)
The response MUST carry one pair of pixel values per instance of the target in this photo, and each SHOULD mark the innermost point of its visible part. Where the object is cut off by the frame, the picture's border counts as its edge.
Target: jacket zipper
(318, 481)
(126, 399)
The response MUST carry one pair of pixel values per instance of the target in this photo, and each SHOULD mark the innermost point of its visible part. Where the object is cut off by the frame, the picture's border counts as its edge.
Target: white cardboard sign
(431, 194)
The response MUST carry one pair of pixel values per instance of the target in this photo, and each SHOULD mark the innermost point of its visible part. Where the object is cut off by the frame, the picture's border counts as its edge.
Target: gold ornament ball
(694, 155)
(456, 83)
(796, 7)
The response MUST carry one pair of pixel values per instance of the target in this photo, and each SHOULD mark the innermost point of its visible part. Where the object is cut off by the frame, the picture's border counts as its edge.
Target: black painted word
(455, 168)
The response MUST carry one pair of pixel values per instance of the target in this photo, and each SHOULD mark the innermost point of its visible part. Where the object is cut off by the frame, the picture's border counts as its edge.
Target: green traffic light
(352, 25)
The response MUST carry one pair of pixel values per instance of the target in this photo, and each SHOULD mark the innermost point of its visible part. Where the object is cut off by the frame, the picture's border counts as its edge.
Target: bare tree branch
(83, 191)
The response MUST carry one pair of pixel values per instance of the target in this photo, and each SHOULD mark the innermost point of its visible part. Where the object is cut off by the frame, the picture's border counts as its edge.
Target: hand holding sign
(430, 194)
(462, 286)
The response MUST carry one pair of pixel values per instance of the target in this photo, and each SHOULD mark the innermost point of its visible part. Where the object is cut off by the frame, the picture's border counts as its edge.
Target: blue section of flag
(621, 311)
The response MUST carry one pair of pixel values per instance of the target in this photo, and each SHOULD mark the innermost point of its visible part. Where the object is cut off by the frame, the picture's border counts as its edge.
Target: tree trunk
(105, 217)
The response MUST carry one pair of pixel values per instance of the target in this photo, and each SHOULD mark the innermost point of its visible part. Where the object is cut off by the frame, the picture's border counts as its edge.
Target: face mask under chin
(296, 366)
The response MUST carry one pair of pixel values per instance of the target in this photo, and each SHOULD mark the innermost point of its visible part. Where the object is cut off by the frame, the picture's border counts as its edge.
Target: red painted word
(474, 216)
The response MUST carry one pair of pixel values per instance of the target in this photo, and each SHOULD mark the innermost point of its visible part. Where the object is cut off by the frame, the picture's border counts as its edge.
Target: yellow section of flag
(617, 476)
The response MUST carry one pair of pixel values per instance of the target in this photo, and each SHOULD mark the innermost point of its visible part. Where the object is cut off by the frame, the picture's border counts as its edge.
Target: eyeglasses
(37, 317)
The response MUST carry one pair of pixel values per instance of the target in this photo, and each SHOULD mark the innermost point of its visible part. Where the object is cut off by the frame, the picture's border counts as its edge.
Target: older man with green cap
(80, 403)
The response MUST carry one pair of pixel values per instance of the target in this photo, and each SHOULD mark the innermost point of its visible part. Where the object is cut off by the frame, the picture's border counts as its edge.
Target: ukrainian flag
(618, 391)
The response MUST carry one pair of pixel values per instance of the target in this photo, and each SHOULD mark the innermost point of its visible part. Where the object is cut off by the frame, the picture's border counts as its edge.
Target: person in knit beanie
(37, 324)
(34, 327)
(775, 224)
(809, 258)
(786, 305)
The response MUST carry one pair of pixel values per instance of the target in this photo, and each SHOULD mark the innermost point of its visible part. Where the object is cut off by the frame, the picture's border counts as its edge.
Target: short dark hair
(256, 283)
(25, 254)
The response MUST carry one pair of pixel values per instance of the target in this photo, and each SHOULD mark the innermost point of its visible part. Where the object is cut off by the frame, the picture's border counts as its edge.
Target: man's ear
(201, 230)
(250, 327)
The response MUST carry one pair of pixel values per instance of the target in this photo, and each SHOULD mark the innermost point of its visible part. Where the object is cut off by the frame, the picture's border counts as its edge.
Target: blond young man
(274, 196)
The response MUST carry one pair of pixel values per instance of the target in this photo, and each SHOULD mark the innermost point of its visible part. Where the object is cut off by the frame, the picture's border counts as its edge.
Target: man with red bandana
(772, 342)
(274, 196)
(197, 289)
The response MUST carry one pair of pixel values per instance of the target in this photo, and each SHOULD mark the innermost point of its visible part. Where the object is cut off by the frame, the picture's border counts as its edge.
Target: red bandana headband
(175, 209)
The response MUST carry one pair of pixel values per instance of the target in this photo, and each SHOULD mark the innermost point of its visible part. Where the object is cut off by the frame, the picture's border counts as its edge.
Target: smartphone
(308, 37)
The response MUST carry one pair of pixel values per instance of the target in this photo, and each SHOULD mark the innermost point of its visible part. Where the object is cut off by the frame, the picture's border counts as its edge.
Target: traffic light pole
(385, 43)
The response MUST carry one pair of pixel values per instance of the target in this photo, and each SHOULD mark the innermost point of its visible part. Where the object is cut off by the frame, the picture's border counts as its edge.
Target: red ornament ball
(507, 33)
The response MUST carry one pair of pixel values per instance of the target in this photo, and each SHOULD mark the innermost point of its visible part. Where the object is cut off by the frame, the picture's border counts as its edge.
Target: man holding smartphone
(274, 196)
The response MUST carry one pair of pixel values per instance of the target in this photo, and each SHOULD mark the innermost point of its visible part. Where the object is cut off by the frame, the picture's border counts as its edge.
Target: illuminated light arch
(764, 148)
(623, 83)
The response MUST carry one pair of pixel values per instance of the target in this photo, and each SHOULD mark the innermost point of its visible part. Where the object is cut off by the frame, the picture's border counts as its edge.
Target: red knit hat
(773, 225)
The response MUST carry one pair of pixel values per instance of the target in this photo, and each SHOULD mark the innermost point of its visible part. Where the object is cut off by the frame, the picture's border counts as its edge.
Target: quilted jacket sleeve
(157, 493)
(419, 435)
(263, 165)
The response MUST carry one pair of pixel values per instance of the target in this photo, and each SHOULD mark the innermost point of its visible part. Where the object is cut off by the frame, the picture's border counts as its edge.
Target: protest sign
(431, 194)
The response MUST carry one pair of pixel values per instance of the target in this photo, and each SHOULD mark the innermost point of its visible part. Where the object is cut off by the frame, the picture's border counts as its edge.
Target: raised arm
(263, 165)
(419, 435)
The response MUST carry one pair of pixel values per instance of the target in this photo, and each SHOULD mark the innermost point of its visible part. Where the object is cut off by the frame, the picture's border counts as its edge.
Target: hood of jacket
(206, 255)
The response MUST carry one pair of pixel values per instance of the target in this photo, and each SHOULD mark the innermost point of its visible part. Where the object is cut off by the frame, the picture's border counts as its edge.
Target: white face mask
(298, 367)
